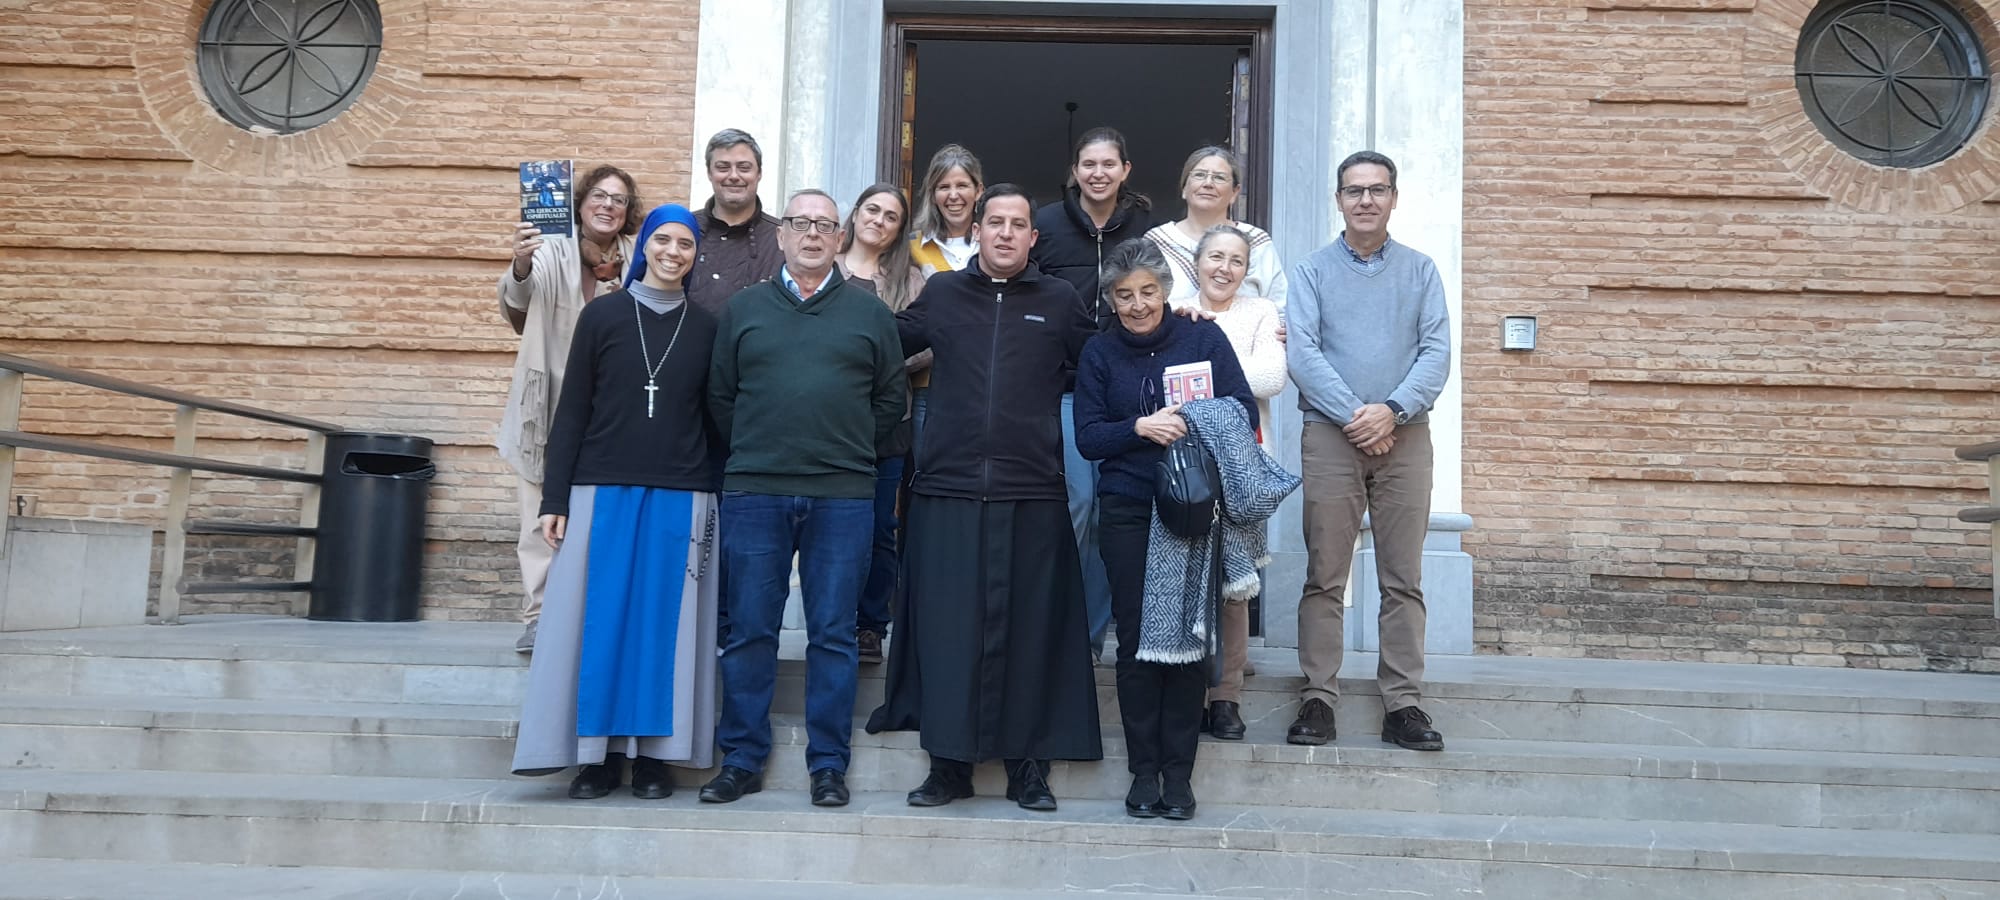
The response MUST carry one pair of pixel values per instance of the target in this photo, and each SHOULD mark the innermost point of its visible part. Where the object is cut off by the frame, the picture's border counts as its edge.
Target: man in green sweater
(805, 383)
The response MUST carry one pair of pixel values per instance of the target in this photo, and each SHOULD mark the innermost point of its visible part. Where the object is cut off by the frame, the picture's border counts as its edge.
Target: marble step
(1511, 706)
(1513, 698)
(41, 879)
(1475, 776)
(483, 825)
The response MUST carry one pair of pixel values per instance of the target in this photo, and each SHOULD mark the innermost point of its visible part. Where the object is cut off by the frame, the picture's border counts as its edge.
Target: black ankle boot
(595, 781)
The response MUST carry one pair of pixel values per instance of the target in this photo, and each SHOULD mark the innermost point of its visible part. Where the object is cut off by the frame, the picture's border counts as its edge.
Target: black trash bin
(369, 560)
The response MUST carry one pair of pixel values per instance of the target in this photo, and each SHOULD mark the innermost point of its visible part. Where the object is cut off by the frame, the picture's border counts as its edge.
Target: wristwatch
(1402, 416)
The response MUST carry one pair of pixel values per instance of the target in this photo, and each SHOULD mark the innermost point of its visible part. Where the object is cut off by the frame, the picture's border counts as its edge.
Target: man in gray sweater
(1370, 349)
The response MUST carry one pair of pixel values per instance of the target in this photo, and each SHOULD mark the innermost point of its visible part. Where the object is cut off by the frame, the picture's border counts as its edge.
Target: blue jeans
(872, 613)
(920, 407)
(760, 534)
(1081, 477)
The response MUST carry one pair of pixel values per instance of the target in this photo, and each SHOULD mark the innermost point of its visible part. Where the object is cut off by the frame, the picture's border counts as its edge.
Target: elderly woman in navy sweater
(1121, 421)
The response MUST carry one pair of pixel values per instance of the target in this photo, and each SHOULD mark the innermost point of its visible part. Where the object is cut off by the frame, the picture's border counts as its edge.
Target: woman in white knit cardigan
(1255, 329)
(1211, 180)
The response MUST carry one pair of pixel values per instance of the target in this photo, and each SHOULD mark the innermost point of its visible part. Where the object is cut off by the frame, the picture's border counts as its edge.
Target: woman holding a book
(1135, 384)
(626, 666)
(875, 255)
(543, 290)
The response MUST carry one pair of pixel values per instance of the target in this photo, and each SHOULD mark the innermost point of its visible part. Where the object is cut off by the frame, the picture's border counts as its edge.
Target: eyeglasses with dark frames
(803, 224)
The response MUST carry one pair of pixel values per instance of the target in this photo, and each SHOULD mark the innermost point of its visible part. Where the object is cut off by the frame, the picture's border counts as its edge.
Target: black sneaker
(1411, 729)
(1314, 726)
(1143, 800)
(869, 644)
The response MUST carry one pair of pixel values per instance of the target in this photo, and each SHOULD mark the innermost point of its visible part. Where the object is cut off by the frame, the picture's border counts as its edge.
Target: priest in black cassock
(990, 658)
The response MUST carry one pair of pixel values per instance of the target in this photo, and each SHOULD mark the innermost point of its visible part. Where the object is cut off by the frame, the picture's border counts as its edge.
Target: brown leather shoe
(1314, 725)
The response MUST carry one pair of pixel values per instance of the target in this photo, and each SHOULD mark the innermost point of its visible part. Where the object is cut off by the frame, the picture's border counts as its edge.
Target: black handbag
(1187, 485)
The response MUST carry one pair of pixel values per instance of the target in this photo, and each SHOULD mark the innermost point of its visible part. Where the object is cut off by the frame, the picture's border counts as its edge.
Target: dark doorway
(1166, 99)
(1017, 93)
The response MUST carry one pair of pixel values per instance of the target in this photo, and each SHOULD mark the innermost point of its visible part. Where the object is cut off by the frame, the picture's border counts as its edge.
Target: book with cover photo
(546, 195)
(1188, 382)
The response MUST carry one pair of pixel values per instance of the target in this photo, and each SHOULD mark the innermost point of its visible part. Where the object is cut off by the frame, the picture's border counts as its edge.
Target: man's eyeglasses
(617, 201)
(1354, 192)
(802, 224)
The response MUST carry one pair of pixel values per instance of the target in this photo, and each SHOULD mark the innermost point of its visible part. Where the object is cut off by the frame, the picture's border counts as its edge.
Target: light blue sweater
(1357, 336)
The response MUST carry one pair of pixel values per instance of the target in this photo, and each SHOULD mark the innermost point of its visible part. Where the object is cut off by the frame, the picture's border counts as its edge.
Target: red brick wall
(1734, 442)
(343, 274)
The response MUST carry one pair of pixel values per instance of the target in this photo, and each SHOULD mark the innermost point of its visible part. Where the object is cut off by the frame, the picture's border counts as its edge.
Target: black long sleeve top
(602, 434)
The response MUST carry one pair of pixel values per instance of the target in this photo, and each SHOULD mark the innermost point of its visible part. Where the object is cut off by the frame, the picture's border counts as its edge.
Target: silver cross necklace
(646, 358)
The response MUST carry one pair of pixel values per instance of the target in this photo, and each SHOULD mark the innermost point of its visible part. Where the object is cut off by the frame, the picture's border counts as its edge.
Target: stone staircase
(259, 757)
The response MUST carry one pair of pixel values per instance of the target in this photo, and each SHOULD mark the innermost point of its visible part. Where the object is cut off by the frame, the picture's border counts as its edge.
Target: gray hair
(732, 137)
(1129, 258)
(812, 192)
(1223, 230)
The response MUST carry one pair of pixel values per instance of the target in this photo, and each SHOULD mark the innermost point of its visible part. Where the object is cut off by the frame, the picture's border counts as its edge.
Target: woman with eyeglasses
(541, 294)
(875, 256)
(1211, 180)
(627, 666)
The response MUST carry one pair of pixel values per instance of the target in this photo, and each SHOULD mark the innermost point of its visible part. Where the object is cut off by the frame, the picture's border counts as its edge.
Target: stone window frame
(1966, 178)
(164, 58)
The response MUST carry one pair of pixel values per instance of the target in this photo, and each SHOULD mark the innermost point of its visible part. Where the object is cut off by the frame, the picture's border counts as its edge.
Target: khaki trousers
(1394, 489)
(535, 553)
(1235, 651)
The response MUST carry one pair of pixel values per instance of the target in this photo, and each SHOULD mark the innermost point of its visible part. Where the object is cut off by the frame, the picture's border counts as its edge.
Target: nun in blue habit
(624, 667)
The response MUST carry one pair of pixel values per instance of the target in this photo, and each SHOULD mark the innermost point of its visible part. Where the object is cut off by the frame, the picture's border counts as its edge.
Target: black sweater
(809, 393)
(601, 434)
(1111, 395)
(1002, 354)
(1070, 246)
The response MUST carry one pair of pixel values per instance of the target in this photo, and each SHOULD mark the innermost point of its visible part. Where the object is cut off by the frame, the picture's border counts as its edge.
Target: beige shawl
(549, 299)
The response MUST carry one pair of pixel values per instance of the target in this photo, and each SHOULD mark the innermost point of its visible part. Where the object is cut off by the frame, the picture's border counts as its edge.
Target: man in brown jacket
(739, 241)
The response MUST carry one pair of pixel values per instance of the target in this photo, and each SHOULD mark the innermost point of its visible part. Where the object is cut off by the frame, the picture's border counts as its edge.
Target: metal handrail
(55, 372)
(1989, 514)
(182, 461)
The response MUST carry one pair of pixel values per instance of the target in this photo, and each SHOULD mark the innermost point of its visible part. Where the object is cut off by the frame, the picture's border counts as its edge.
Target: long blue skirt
(625, 658)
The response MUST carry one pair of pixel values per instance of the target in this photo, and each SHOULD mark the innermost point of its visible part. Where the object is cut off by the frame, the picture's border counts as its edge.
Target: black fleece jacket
(1002, 353)
(1071, 247)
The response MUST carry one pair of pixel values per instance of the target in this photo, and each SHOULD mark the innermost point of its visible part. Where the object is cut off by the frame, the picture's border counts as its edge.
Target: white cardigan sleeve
(1267, 275)
(1264, 363)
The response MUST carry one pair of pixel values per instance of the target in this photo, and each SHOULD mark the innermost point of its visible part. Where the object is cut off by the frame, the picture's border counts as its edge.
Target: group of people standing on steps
(948, 415)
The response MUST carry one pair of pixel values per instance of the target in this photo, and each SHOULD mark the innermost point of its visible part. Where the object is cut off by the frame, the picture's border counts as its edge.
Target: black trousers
(1159, 704)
